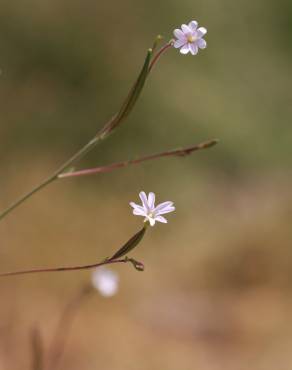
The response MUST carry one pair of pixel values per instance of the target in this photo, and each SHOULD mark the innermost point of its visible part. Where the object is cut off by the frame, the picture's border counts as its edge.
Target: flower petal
(143, 198)
(202, 44)
(161, 219)
(179, 34)
(193, 49)
(148, 210)
(193, 25)
(151, 221)
(163, 205)
(134, 205)
(139, 212)
(186, 29)
(151, 200)
(201, 31)
(165, 210)
(142, 210)
(178, 43)
(105, 281)
(185, 49)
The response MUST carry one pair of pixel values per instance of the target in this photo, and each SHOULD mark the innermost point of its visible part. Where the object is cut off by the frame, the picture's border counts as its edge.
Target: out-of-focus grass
(216, 292)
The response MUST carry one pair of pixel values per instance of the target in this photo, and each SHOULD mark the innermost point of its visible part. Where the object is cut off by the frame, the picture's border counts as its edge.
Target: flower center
(192, 38)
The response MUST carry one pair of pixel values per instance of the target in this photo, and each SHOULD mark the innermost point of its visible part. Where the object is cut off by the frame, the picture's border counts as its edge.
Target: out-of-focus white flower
(148, 209)
(105, 281)
(190, 38)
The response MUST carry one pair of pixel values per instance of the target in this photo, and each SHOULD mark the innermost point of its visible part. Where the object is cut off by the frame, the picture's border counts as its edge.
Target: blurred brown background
(216, 292)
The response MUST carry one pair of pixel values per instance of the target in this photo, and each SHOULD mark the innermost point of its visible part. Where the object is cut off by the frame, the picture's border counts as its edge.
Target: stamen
(192, 38)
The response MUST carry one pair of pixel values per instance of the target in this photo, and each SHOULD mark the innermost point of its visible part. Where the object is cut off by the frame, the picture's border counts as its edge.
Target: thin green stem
(82, 152)
(105, 131)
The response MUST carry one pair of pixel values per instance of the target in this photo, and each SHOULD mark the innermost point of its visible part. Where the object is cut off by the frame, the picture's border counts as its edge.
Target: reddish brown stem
(37, 349)
(66, 268)
(63, 328)
(114, 166)
(159, 54)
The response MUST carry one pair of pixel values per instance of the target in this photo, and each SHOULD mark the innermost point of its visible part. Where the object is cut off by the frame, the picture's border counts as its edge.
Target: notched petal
(193, 25)
(139, 212)
(186, 29)
(179, 34)
(166, 210)
(202, 44)
(201, 31)
(185, 49)
(178, 43)
(161, 219)
(193, 49)
(163, 205)
(143, 198)
(151, 200)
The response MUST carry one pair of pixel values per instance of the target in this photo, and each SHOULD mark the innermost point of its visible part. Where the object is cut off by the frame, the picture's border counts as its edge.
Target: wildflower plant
(189, 39)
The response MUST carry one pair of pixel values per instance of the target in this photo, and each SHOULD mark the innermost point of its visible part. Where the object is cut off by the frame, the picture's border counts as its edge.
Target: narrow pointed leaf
(131, 99)
(137, 88)
(129, 245)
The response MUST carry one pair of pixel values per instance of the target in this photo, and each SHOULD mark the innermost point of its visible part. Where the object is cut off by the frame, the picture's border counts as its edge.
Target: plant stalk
(114, 122)
(170, 153)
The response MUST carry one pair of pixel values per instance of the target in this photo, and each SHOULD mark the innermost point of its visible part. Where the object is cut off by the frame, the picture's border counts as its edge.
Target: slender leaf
(129, 103)
(129, 245)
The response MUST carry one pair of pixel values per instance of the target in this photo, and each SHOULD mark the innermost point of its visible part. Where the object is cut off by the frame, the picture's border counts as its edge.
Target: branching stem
(170, 153)
(66, 268)
(114, 122)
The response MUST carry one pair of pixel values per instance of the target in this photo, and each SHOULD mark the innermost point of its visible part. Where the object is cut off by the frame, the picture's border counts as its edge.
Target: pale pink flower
(190, 38)
(148, 209)
(105, 281)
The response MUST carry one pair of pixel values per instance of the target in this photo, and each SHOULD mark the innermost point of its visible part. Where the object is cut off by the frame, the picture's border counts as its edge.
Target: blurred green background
(216, 292)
